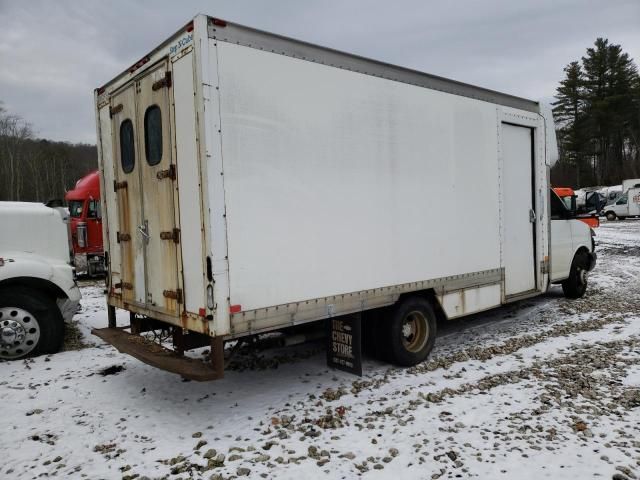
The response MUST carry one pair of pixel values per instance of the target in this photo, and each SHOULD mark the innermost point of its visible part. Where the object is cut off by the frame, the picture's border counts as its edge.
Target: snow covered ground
(543, 388)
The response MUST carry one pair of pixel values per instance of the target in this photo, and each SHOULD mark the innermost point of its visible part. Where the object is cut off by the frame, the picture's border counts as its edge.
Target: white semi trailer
(253, 182)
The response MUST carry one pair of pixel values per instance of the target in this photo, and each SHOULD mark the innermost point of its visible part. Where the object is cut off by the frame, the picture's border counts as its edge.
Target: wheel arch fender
(431, 295)
(39, 273)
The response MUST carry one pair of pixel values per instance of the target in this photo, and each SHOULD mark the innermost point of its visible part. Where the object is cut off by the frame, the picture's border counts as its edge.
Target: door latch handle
(532, 215)
(144, 231)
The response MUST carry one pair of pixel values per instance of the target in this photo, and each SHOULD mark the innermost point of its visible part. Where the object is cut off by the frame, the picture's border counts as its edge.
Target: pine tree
(568, 110)
(597, 111)
(610, 76)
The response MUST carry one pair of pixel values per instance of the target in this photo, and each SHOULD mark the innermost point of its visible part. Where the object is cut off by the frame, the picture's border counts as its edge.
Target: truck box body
(253, 182)
(630, 183)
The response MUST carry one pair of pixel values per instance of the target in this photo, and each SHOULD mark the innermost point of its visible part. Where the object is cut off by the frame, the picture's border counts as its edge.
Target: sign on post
(344, 349)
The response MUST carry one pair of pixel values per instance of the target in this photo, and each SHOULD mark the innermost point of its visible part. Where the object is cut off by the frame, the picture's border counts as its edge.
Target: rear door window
(127, 146)
(153, 134)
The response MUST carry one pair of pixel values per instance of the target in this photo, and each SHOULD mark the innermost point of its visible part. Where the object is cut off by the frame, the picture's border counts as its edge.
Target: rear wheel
(411, 333)
(30, 324)
(576, 285)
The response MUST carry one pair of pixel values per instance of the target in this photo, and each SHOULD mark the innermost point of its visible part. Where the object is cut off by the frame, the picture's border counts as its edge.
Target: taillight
(81, 233)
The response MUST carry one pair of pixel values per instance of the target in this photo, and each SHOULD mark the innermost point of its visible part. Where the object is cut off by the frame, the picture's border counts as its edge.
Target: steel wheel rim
(19, 332)
(415, 331)
(582, 276)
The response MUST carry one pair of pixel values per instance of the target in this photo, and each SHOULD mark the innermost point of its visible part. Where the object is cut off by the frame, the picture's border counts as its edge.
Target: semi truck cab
(86, 225)
(38, 292)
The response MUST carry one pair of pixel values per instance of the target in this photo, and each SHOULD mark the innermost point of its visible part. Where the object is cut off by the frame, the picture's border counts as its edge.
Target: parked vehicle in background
(568, 196)
(628, 205)
(321, 207)
(588, 200)
(37, 288)
(611, 194)
(630, 183)
(86, 225)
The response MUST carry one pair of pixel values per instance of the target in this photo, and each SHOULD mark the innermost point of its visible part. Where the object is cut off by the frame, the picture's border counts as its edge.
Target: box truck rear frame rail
(252, 182)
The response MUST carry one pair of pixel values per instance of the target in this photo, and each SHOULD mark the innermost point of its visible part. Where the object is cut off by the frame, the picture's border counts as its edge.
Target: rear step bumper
(159, 356)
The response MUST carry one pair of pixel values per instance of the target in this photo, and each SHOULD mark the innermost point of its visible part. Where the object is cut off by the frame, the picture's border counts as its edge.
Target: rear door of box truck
(144, 188)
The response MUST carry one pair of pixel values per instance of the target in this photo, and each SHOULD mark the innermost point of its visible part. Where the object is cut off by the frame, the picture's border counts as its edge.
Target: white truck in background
(628, 205)
(630, 183)
(253, 182)
(37, 287)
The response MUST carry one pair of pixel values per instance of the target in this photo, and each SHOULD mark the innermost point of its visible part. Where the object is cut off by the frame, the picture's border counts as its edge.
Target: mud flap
(344, 343)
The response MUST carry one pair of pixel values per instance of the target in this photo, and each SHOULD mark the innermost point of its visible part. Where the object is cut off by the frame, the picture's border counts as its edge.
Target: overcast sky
(54, 53)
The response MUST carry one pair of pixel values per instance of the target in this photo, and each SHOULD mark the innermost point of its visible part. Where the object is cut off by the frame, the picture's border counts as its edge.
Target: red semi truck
(86, 225)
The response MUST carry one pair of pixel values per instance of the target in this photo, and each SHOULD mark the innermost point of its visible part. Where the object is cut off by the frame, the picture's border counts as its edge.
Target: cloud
(53, 54)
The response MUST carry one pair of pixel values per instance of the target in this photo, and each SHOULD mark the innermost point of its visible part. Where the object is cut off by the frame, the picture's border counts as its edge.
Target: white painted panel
(518, 252)
(111, 213)
(634, 201)
(561, 249)
(471, 300)
(338, 182)
(188, 184)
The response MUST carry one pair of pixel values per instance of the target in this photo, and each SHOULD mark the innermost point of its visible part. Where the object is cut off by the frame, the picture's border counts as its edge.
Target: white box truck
(628, 205)
(253, 182)
(630, 183)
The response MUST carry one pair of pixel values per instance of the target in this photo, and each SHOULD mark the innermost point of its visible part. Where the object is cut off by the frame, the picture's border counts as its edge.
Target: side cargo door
(518, 209)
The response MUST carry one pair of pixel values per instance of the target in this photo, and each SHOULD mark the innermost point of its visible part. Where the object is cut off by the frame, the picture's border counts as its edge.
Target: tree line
(38, 170)
(597, 114)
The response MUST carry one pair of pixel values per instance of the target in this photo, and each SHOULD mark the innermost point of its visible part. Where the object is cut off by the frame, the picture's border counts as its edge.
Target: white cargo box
(253, 182)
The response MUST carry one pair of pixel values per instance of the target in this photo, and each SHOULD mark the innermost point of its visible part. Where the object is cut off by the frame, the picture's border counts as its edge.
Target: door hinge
(123, 285)
(168, 173)
(122, 237)
(119, 185)
(544, 266)
(172, 235)
(164, 82)
(115, 110)
(175, 294)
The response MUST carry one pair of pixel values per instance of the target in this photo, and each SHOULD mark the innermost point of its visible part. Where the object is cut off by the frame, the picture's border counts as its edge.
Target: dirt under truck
(253, 182)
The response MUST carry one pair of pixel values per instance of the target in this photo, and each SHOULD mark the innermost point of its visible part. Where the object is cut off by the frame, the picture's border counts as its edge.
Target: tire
(576, 285)
(411, 333)
(30, 324)
(610, 216)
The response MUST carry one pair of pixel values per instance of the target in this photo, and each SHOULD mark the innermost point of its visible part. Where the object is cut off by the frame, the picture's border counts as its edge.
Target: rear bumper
(592, 257)
(158, 356)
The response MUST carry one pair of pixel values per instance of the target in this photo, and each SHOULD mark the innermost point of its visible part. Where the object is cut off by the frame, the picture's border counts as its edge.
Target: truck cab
(38, 292)
(592, 204)
(628, 205)
(572, 248)
(86, 225)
